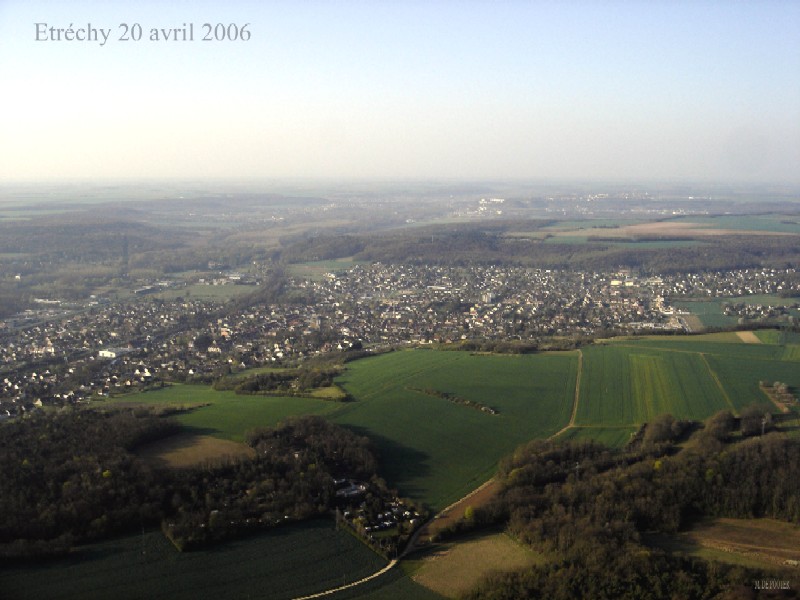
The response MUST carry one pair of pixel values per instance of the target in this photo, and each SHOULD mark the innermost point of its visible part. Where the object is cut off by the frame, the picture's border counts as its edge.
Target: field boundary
(575, 401)
(718, 382)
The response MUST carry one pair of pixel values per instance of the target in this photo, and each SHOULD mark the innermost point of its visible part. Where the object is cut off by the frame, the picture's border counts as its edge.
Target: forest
(73, 476)
(589, 508)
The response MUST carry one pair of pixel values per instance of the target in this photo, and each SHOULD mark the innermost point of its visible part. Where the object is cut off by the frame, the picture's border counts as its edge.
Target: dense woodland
(73, 476)
(587, 508)
(291, 478)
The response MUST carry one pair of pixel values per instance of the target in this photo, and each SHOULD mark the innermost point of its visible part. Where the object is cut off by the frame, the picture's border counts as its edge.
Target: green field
(622, 241)
(315, 270)
(284, 563)
(626, 385)
(708, 311)
(711, 314)
(205, 292)
(228, 415)
(593, 225)
(614, 437)
(631, 381)
(435, 450)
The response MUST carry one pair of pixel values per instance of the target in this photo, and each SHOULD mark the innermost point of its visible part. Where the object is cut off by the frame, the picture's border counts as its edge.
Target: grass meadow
(315, 270)
(614, 437)
(221, 293)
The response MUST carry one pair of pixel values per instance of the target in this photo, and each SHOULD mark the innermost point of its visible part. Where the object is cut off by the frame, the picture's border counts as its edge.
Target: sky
(611, 90)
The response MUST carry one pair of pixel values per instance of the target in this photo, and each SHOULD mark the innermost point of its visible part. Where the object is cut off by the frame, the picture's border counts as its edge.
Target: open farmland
(436, 450)
(614, 437)
(225, 414)
(768, 223)
(627, 385)
(432, 449)
(316, 270)
(632, 381)
(710, 312)
(204, 292)
(694, 227)
(422, 408)
(284, 563)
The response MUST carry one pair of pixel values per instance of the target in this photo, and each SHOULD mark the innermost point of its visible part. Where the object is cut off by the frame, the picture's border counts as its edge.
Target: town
(70, 353)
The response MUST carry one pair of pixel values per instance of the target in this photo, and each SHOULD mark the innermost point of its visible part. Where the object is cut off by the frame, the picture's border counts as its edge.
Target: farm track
(411, 546)
(574, 414)
(376, 574)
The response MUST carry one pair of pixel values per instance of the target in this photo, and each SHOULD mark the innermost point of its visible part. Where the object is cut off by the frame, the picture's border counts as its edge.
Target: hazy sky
(616, 90)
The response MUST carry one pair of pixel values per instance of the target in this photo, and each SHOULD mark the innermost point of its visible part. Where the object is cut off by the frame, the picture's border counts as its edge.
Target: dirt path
(574, 401)
(349, 585)
(477, 497)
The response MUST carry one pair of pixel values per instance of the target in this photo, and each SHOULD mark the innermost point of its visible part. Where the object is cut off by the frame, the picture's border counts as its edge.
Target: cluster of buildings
(102, 348)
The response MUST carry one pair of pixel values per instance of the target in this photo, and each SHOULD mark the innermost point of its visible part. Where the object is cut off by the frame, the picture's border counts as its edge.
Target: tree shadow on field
(190, 430)
(398, 464)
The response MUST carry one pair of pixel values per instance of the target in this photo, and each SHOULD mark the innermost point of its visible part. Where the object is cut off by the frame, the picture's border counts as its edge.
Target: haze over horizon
(607, 90)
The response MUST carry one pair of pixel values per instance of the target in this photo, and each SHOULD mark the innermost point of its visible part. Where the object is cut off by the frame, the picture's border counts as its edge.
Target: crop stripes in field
(719, 383)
